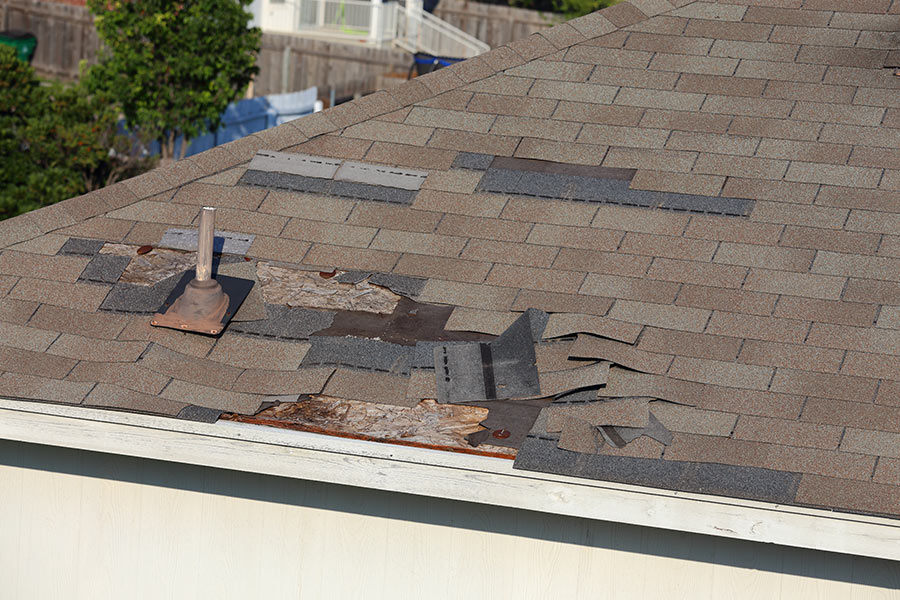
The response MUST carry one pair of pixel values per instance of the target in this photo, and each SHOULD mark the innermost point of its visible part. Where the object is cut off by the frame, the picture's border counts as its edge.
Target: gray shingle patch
(346, 189)
(399, 284)
(227, 242)
(352, 277)
(81, 247)
(285, 181)
(365, 191)
(566, 186)
(295, 164)
(129, 298)
(736, 207)
(406, 179)
(104, 268)
(539, 453)
(621, 436)
(472, 160)
(200, 414)
(287, 323)
(423, 356)
(359, 353)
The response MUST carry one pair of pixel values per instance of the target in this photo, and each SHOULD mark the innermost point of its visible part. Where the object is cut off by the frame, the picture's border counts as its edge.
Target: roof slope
(747, 273)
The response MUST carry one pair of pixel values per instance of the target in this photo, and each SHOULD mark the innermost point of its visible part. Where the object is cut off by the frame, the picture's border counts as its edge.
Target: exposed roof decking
(779, 327)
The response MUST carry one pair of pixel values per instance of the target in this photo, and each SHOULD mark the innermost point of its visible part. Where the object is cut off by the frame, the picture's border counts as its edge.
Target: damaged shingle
(200, 414)
(227, 242)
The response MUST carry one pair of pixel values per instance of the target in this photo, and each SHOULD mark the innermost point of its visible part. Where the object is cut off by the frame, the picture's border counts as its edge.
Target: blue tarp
(249, 116)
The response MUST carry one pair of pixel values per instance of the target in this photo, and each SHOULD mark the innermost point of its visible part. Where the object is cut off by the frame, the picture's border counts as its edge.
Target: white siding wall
(77, 524)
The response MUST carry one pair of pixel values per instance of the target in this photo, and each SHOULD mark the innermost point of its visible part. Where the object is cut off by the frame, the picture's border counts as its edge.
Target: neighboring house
(699, 205)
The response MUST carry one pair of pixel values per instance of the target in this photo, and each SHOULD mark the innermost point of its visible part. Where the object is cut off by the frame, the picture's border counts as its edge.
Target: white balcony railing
(404, 25)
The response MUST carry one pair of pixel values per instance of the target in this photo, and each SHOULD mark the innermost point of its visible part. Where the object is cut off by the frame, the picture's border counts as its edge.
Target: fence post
(375, 23)
(285, 69)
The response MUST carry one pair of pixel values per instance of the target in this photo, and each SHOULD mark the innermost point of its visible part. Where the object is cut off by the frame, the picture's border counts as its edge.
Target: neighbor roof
(699, 200)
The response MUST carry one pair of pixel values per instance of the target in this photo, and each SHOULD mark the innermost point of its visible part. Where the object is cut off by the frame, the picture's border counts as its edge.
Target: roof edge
(462, 477)
(537, 45)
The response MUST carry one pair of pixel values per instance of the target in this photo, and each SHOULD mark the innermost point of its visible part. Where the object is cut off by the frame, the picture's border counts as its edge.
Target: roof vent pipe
(202, 305)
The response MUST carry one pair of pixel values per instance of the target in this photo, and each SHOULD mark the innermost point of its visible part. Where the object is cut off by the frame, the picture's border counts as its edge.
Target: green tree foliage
(174, 65)
(55, 140)
(569, 8)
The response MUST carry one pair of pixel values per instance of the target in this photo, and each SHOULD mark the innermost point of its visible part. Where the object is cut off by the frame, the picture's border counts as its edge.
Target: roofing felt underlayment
(697, 200)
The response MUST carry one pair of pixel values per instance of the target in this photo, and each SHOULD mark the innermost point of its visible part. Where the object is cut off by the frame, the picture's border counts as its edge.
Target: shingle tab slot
(295, 164)
(381, 175)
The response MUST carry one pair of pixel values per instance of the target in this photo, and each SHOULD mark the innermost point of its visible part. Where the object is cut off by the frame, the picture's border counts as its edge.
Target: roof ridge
(226, 156)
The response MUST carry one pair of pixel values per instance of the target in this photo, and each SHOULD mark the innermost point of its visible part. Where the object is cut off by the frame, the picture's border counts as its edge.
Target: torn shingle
(399, 284)
(508, 421)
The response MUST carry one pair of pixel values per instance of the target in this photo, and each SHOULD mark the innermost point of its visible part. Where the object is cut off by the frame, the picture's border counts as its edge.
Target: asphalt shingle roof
(743, 279)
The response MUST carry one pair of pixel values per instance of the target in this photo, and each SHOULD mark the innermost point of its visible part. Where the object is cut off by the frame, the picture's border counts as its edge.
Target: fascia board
(464, 477)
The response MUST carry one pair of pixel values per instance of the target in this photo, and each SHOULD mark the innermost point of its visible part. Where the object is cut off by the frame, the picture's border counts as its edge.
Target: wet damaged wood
(427, 425)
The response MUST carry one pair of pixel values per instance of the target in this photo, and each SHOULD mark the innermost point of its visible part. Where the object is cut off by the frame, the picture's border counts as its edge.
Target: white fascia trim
(465, 477)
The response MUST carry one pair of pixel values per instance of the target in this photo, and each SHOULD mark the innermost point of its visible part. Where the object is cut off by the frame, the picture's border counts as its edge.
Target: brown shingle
(486, 297)
(648, 158)
(342, 257)
(836, 387)
(827, 311)
(382, 388)
(16, 385)
(398, 218)
(612, 263)
(752, 255)
(637, 78)
(301, 381)
(57, 268)
(307, 206)
(684, 121)
(452, 269)
(128, 376)
(410, 156)
(541, 211)
(334, 146)
(510, 253)
(630, 288)
(758, 168)
(556, 302)
(732, 230)
(828, 239)
(639, 220)
(732, 301)
(579, 154)
(770, 456)
(16, 311)
(758, 327)
(255, 353)
(317, 231)
(788, 433)
(80, 296)
(620, 354)
(278, 249)
(778, 128)
(187, 368)
(16, 360)
(212, 397)
(696, 345)
(586, 238)
(791, 356)
(476, 205)
(834, 492)
(466, 141)
(667, 246)
(700, 273)
(552, 280)
(862, 415)
(92, 325)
